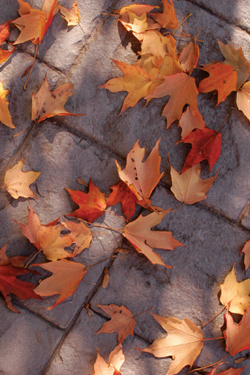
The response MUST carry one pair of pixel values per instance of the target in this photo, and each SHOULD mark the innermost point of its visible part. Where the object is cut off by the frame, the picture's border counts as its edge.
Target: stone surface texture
(63, 340)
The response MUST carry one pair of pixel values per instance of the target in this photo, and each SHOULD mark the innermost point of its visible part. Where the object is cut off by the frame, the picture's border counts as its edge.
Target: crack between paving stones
(203, 7)
(74, 321)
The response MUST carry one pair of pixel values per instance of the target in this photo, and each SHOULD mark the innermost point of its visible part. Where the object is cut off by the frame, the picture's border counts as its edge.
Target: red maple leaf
(122, 194)
(91, 204)
(206, 145)
(10, 284)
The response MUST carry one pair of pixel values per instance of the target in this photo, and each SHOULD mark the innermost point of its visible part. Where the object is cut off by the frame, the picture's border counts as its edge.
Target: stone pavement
(63, 341)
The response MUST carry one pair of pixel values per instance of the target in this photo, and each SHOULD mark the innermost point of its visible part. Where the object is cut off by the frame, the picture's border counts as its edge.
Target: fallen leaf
(105, 280)
(4, 31)
(230, 371)
(116, 359)
(246, 251)
(123, 194)
(46, 103)
(16, 261)
(237, 60)
(135, 80)
(134, 17)
(10, 284)
(167, 19)
(80, 234)
(34, 23)
(189, 57)
(122, 321)
(141, 177)
(91, 204)
(223, 78)
(5, 116)
(4, 55)
(17, 182)
(183, 342)
(182, 90)
(64, 281)
(47, 238)
(188, 187)
(243, 99)
(139, 233)
(235, 293)
(206, 145)
(72, 16)
(189, 121)
(237, 336)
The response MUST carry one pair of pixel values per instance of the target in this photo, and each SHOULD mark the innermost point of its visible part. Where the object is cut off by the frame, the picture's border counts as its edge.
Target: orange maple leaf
(91, 204)
(141, 177)
(237, 336)
(122, 321)
(34, 23)
(116, 359)
(189, 121)
(167, 19)
(4, 33)
(64, 281)
(223, 79)
(134, 18)
(139, 233)
(46, 238)
(183, 342)
(230, 371)
(246, 251)
(16, 261)
(46, 103)
(122, 194)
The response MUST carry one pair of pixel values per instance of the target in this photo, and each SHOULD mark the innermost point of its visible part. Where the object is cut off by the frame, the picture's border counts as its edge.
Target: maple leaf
(91, 204)
(34, 23)
(189, 57)
(145, 240)
(183, 342)
(246, 251)
(122, 321)
(16, 261)
(46, 103)
(230, 371)
(5, 116)
(136, 81)
(243, 98)
(134, 17)
(182, 90)
(237, 60)
(206, 145)
(80, 234)
(237, 336)
(10, 284)
(4, 31)
(72, 16)
(223, 78)
(64, 281)
(189, 121)
(141, 177)
(122, 194)
(235, 293)
(116, 359)
(17, 182)
(188, 187)
(46, 238)
(167, 19)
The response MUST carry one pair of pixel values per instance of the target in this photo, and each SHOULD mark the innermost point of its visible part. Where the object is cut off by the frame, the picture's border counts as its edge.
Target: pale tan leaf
(191, 120)
(243, 99)
(80, 234)
(72, 16)
(5, 116)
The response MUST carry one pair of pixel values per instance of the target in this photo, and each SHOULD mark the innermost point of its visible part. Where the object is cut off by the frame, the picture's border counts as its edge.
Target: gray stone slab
(119, 133)
(62, 157)
(27, 342)
(230, 10)
(77, 354)
(190, 289)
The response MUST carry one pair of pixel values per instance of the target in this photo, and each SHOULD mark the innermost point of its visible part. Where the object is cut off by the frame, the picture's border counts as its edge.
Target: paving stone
(77, 354)
(62, 157)
(27, 342)
(119, 133)
(190, 289)
(238, 10)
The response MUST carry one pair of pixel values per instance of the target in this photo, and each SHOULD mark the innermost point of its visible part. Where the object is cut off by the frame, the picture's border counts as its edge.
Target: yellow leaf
(17, 182)
(5, 116)
(72, 16)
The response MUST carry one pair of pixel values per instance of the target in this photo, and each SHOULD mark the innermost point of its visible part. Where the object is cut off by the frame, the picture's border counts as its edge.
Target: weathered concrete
(63, 340)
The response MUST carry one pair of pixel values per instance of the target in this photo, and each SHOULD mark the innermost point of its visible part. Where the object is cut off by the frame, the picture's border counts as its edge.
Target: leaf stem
(201, 368)
(214, 316)
(31, 67)
(214, 338)
(113, 213)
(151, 308)
(190, 14)
(111, 256)
(32, 258)
(102, 226)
